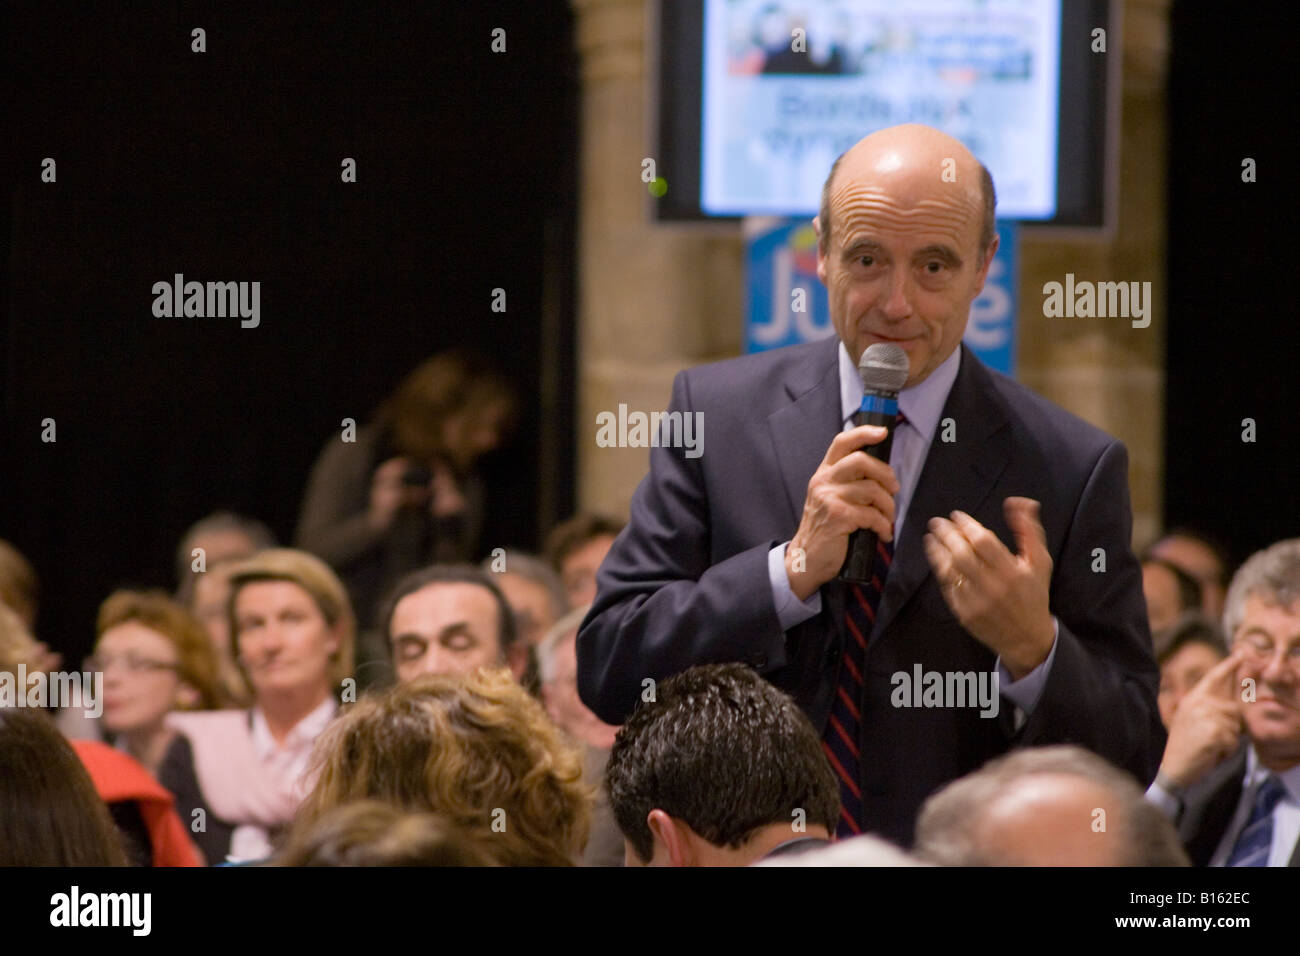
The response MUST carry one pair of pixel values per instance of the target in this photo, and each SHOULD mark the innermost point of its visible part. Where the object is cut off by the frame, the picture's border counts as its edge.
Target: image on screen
(790, 84)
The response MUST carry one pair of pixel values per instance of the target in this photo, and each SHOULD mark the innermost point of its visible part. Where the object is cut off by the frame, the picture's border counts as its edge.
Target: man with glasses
(1230, 777)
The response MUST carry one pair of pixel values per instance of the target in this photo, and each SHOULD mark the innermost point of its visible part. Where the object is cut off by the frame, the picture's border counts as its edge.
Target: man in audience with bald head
(990, 510)
(1050, 806)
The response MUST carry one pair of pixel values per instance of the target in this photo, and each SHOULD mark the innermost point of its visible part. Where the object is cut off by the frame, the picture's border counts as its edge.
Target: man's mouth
(1276, 702)
(896, 340)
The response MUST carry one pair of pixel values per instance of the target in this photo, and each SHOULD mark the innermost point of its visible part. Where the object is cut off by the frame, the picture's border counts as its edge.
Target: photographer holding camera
(404, 494)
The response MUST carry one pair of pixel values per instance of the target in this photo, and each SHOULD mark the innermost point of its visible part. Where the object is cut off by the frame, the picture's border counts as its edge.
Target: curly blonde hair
(477, 750)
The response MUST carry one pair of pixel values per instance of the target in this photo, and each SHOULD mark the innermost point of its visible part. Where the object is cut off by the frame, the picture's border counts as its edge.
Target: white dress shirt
(922, 405)
(287, 762)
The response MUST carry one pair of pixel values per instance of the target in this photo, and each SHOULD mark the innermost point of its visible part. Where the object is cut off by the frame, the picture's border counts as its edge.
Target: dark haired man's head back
(718, 767)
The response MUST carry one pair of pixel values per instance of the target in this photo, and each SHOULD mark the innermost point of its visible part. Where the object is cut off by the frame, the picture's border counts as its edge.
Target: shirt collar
(303, 732)
(1257, 773)
(922, 404)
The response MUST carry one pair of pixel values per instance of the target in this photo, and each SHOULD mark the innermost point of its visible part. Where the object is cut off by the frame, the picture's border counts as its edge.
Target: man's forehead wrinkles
(849, 197)
(852, 228)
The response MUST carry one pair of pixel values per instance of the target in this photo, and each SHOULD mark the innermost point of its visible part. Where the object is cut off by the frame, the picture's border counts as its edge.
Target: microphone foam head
(884, 367)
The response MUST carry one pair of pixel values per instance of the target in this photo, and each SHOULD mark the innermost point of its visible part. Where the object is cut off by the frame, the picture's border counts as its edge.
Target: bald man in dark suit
(1003, 522)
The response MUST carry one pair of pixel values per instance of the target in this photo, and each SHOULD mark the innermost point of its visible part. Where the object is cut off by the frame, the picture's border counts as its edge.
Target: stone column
(652, 299)
(1104, 370)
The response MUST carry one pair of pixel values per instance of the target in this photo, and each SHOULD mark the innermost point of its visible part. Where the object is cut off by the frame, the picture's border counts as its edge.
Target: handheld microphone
(883, 369)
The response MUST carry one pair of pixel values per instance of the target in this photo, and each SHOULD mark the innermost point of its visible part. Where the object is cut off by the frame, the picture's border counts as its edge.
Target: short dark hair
(450, 574)
(1209, 540)
(258, 534)
(988, 228)
(725, 752)
(568, 536)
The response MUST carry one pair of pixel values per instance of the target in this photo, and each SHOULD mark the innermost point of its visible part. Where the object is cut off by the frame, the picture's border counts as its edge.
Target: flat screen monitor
(758, 97)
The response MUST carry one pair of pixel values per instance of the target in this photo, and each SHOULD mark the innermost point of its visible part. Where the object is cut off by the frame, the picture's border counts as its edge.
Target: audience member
(449, 619)
(1230, 778)
(716, 767)
(17, 646)
(19, 587)
(221, 536)
(1186, 653)
(474, 749)
(575, 548)
(373, 833)
(1045, 806)
(155, 658)
(144, 811)
(1169, 591)
(533, 591)
(51, 814)
(209, 603)
(1201, 557)
(20, 591)
(293, 629)
(558, 664)
(864, 850)
(402, 492)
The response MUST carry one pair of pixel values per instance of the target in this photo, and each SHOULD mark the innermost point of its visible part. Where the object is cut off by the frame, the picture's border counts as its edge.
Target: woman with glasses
(238, 775)
(155, 658)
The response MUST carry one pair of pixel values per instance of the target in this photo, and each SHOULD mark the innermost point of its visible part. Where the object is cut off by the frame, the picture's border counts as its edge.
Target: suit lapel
(1210, 807)
(802, 430)
(957, 474)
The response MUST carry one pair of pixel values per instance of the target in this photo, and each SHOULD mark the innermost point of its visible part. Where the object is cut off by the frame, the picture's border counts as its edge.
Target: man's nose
(1277, 669)
(897, 304)
(436, 661)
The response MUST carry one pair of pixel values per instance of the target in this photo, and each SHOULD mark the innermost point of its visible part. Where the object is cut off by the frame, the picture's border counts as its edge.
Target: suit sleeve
(662, 606)
(1101, 690)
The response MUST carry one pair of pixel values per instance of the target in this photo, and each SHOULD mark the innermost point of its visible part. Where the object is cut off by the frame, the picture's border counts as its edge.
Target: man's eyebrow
(1260, 629)
(451, 630)
(409, 636)
(861, 246)
(938, 251)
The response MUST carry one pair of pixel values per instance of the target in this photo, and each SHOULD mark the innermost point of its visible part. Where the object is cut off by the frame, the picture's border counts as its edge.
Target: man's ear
(821, 249)
(671, 835)
(988, 262)
(517, 659)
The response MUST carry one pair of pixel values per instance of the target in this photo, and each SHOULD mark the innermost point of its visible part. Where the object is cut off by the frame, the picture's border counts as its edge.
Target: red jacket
(119, 777)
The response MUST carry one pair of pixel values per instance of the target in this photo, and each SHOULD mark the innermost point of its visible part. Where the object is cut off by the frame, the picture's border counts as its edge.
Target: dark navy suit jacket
(687, 580)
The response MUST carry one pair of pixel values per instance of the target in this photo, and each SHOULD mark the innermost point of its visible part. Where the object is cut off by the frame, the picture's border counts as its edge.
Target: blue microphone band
(878, 404)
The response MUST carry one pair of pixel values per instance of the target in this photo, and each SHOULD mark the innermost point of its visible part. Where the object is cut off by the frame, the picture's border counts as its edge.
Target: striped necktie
(840, 739)
(1257, 837)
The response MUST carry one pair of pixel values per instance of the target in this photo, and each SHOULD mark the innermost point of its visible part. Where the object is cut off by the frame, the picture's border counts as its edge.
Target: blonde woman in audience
(241, 772)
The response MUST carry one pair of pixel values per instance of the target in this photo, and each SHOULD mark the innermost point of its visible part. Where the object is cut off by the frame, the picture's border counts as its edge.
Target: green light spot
(658, 187)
